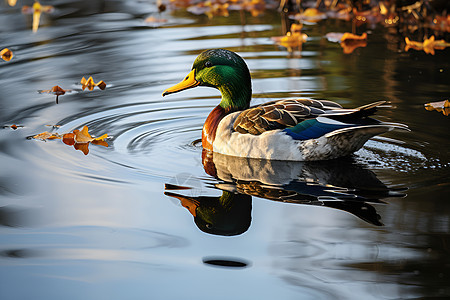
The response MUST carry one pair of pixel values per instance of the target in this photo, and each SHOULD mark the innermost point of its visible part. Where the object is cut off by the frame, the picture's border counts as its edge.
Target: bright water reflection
(100, 226)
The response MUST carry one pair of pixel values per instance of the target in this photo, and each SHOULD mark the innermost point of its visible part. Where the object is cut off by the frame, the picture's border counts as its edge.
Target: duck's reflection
(340, 184)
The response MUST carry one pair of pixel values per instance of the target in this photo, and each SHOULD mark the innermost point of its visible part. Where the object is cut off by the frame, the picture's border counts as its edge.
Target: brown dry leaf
(83, 147)
(56, 90)
(100, 143)
(6, 54)
(46, 136)
(440, 106)
(83, 136)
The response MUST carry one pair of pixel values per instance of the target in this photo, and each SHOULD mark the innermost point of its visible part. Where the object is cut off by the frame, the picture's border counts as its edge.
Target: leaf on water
(347, 36)
(13, 126)
(293, 39)
(6, 54)
(56, 90)
(46, 136)
(83, 136)
(428, 45)
(440, 106)
(69, 138)
(83, 147)
(90, 84)
(79, 139)
(350, 41)
(312, 15)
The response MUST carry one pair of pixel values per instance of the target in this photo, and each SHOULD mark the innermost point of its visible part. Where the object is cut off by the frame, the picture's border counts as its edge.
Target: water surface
(119, 222)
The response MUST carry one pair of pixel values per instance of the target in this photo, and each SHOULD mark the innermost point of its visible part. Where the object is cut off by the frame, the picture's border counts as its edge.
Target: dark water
(118, 223)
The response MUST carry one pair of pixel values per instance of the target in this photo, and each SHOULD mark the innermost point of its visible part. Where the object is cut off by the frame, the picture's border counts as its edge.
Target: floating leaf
(46, 136)
(79, 139)
(347, 36)
(293, 39)
(90, 84)
(440, 106)
(428, 45)
(312, 15)
(69, 138)
(83, 136)
(83, 147)
(56, 90)
(6, 54)
(13, 126)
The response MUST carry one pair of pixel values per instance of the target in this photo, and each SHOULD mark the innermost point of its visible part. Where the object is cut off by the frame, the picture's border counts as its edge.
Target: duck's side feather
(283, 114)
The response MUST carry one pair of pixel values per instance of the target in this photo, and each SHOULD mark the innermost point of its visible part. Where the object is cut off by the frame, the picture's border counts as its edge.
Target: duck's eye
(208, 64)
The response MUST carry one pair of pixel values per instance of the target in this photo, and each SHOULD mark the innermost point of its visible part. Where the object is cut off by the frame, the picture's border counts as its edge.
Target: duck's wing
(282, 114)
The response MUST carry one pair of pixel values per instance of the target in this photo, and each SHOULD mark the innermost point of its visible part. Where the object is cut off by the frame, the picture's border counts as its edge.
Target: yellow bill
(187, 83)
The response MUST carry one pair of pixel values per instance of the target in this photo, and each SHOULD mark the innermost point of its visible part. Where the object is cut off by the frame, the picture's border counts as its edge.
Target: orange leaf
(14, 126)
(6, 54)
(46, 136)
(69, 139)
(350, 36)
(350, 45)
(101, 138)
(83, 136)
(83, 147)
(100, 142)
(440, 106)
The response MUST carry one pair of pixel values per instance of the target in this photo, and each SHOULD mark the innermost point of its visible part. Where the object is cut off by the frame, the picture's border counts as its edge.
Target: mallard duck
(290, 129)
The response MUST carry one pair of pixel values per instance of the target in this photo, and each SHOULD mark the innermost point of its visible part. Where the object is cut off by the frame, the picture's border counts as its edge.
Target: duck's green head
(223, 70)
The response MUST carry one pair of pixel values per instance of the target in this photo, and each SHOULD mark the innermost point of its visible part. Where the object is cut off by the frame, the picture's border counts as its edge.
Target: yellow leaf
(12, 2)
(101, 138)
(90, 84)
